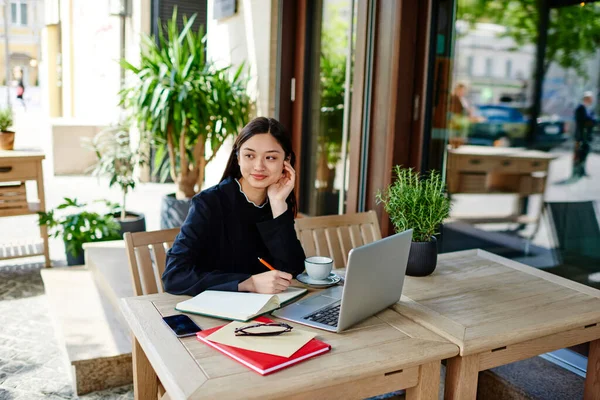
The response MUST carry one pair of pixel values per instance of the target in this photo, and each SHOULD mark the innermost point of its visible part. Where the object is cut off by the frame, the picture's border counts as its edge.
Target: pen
(266, 264)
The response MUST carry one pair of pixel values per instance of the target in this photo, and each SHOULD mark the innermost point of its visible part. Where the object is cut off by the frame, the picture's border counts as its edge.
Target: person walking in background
(461, 115)
(584, 123)
(21, 92)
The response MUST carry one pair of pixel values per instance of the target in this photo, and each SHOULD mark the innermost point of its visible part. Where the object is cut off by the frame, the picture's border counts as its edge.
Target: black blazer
(221, 239)
(584, 122)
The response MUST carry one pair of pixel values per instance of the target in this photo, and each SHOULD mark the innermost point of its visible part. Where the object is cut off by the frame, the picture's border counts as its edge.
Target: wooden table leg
(592, 379)
(461, 378)
(145, 381)
(428, 387)
(42, 199)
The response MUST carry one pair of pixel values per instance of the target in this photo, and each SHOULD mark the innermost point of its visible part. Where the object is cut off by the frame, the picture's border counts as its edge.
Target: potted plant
(78, 225)
(7, 138)
(185, 108)
(421, 204)
(117, 160)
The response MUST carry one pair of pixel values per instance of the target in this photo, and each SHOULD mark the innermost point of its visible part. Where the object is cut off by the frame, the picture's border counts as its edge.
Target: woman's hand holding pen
(280, 190)
(268, 282)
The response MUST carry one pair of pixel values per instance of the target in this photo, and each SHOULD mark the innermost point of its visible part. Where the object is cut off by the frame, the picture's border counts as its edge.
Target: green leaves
(573, 34)
(6, 119)
(77, 225)
(415, 202)
(174, 88)
(115, 158)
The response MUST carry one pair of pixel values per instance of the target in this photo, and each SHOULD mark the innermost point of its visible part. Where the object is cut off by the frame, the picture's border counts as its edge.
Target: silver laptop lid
(374, 278)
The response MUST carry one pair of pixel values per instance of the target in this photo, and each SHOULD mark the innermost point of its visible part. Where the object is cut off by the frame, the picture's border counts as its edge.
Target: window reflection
(523, 179)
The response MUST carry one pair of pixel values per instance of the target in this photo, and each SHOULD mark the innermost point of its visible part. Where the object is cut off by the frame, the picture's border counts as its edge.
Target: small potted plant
(117, 160)
(78, 225)
(7, 138)
(421, 204)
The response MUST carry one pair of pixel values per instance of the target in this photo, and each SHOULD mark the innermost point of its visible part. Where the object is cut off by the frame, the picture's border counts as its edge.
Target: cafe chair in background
(147, 253)
(335, 235)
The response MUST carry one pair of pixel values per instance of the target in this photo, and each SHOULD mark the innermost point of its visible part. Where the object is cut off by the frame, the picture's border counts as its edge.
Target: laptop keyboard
(328, 316)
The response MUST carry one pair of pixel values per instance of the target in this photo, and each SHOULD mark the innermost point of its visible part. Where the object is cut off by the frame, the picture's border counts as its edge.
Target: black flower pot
(75, 260)
(133, 222)
(422, 259)
(173, 212)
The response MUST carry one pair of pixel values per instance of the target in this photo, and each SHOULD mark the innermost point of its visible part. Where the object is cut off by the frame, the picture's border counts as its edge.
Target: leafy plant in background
(77, 225)
(184, 105)
(573, 34)
(415, 202)
(6, 119)
(332, 76)
(116, 159)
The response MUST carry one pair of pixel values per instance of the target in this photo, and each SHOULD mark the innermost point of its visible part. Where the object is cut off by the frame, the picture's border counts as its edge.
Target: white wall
(96, 72)
(246, 37)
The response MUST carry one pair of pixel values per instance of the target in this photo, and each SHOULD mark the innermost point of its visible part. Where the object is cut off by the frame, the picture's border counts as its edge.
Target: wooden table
(499, 311)
(499, 170)
(382, 354)
(17, 167)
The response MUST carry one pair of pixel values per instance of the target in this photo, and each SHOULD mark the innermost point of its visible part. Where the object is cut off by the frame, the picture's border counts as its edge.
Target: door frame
(388, 92)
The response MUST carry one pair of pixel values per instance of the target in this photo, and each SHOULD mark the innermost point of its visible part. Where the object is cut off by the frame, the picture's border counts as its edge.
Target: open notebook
(238, 306)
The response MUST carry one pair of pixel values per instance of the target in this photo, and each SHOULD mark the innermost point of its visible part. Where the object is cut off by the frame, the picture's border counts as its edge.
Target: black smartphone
(182, 325)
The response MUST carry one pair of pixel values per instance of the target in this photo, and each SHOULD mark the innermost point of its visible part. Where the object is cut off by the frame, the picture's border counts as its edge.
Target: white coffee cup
(318, 268)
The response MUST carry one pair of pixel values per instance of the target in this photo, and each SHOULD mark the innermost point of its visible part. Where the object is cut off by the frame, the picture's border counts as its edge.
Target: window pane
(488, 67)
(23, 14)
(544, 212)
(13, 13)
(508, 68)
(325, 141)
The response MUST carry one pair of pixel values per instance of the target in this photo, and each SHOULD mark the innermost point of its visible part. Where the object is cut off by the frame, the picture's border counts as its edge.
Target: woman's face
(261, 160)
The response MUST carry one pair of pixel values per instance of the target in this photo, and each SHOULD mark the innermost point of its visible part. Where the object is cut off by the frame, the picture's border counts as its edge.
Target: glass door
(325, 139)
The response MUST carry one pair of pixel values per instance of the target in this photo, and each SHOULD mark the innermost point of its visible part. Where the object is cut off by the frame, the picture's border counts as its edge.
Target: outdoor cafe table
(384, 353)
(499, 311)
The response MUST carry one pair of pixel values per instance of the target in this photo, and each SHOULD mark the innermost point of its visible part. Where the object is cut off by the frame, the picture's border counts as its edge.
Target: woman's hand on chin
(269, 282)
(280, 190)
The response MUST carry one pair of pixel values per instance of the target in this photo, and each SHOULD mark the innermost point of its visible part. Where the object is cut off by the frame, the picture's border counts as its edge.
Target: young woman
(249, 214)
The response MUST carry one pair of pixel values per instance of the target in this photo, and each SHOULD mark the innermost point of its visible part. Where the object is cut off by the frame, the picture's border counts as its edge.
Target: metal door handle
(4, 170)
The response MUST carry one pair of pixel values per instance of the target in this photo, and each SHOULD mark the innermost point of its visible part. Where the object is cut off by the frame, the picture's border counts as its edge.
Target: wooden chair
(335, 235)
(146, 252)
(147, 255)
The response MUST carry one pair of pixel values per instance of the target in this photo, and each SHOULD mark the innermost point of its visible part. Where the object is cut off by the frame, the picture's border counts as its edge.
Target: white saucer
(331, 280)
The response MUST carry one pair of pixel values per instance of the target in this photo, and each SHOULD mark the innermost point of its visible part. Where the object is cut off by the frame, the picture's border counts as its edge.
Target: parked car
(509, 122)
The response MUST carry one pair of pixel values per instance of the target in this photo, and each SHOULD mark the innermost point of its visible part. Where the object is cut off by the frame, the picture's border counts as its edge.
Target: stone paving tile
(32, 365)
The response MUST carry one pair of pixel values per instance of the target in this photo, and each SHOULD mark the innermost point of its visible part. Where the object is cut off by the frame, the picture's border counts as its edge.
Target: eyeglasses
(270, 329)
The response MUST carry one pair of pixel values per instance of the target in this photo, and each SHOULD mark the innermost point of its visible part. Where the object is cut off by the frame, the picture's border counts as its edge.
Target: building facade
(25, 24)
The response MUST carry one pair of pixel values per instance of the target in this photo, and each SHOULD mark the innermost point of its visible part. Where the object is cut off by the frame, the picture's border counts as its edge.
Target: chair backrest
(146, 252)
(335, 235)
(575, 228)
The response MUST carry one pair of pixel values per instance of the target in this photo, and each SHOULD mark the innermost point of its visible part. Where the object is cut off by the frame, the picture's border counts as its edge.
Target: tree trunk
(201, 168)
(123, 212)
(186, 180)
(185, 186)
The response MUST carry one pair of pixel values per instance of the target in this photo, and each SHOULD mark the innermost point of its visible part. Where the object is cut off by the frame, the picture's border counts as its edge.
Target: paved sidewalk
(32, 365)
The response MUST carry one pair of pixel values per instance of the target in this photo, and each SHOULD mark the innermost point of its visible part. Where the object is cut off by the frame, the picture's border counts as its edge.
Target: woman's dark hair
(257, 126)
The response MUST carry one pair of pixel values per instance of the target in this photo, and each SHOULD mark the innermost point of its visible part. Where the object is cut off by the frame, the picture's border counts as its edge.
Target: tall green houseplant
(184, 104)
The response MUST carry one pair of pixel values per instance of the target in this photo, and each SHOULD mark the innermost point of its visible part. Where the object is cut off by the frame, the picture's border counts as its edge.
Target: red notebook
(264, 363)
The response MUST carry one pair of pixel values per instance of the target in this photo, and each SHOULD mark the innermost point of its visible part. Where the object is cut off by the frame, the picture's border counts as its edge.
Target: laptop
(374, 280)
